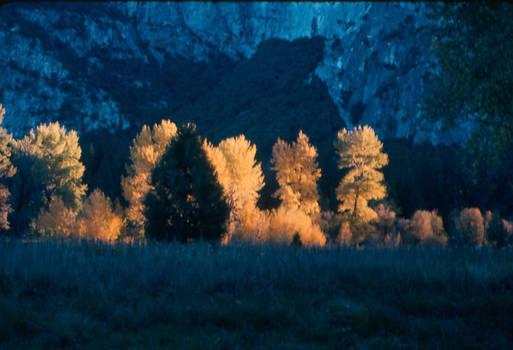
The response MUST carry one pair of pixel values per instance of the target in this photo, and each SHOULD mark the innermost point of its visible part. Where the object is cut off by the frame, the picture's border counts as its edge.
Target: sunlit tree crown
(360, 151)
(6, 172)
(145, 151)
(297, 173)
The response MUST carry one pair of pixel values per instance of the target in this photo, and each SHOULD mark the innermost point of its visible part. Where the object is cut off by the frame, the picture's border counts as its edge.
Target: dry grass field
(85, 295)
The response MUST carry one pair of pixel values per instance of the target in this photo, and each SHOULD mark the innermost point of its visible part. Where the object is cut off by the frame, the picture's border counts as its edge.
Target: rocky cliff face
(91, 65)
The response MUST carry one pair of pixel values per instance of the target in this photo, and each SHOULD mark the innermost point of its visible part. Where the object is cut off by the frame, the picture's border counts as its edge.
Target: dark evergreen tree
(186, 201)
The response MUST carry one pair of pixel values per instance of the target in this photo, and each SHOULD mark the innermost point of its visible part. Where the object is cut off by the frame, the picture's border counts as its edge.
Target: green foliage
(48, 164)
(187, 200)
(360, 151)
(474, 50)
(6, 172)
(297, 173)
(475, 78)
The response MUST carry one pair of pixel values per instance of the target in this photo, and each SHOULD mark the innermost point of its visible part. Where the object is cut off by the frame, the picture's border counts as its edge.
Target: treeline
(179, 186)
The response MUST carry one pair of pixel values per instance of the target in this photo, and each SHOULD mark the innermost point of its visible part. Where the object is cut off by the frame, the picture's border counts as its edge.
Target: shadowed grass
(84, 295)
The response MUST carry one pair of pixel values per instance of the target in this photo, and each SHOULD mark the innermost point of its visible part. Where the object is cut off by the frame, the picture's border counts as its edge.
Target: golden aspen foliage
(252, 226)
(98, 220)
(57, 221)
(47, 164)
(286, 222)
(237, 170)
(297, 173)
(345, 236)
(360, 151)
(241, 178)
(61, 153)
(146, 150)
(6, 172)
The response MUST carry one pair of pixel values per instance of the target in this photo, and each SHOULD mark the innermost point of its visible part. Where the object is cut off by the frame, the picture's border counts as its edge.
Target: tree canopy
(297, 173)
(474, 81)
(48, 164)
(146, 149)
(6, 172)
(186, 201)
(360, 151)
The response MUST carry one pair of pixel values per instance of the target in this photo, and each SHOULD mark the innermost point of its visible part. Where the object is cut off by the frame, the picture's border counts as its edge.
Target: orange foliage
(98, 220)
(57, 221)
(285, 222)
(470, 226)
(425, 227)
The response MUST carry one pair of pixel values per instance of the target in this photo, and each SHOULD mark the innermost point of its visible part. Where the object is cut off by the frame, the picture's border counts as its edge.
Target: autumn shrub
(345, 236)
(469, 226)
(98, 219)
(425, 228)
(250, 226)
(56, 221)
(286, 222)
(384, 226)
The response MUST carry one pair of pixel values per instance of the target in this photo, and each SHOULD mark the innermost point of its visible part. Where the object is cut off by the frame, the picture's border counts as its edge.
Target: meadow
(92, 295)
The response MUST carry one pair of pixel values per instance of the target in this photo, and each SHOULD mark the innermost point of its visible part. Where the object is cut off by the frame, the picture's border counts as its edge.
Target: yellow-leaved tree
(360, 152)
(98, 219)
(297, 173)
(146, 150)
(47, 164)
(241, 178)
(6, 172)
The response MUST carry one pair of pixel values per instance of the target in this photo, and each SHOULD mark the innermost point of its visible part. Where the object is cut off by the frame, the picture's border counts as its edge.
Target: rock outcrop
(66, 61)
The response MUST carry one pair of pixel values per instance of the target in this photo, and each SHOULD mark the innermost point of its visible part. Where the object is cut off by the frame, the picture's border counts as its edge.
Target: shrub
(384, 225)
(98, 220)
(251, 227)
(425, 228)
(345, 236)
(469, 225)
(286, 222)
(57, 221)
